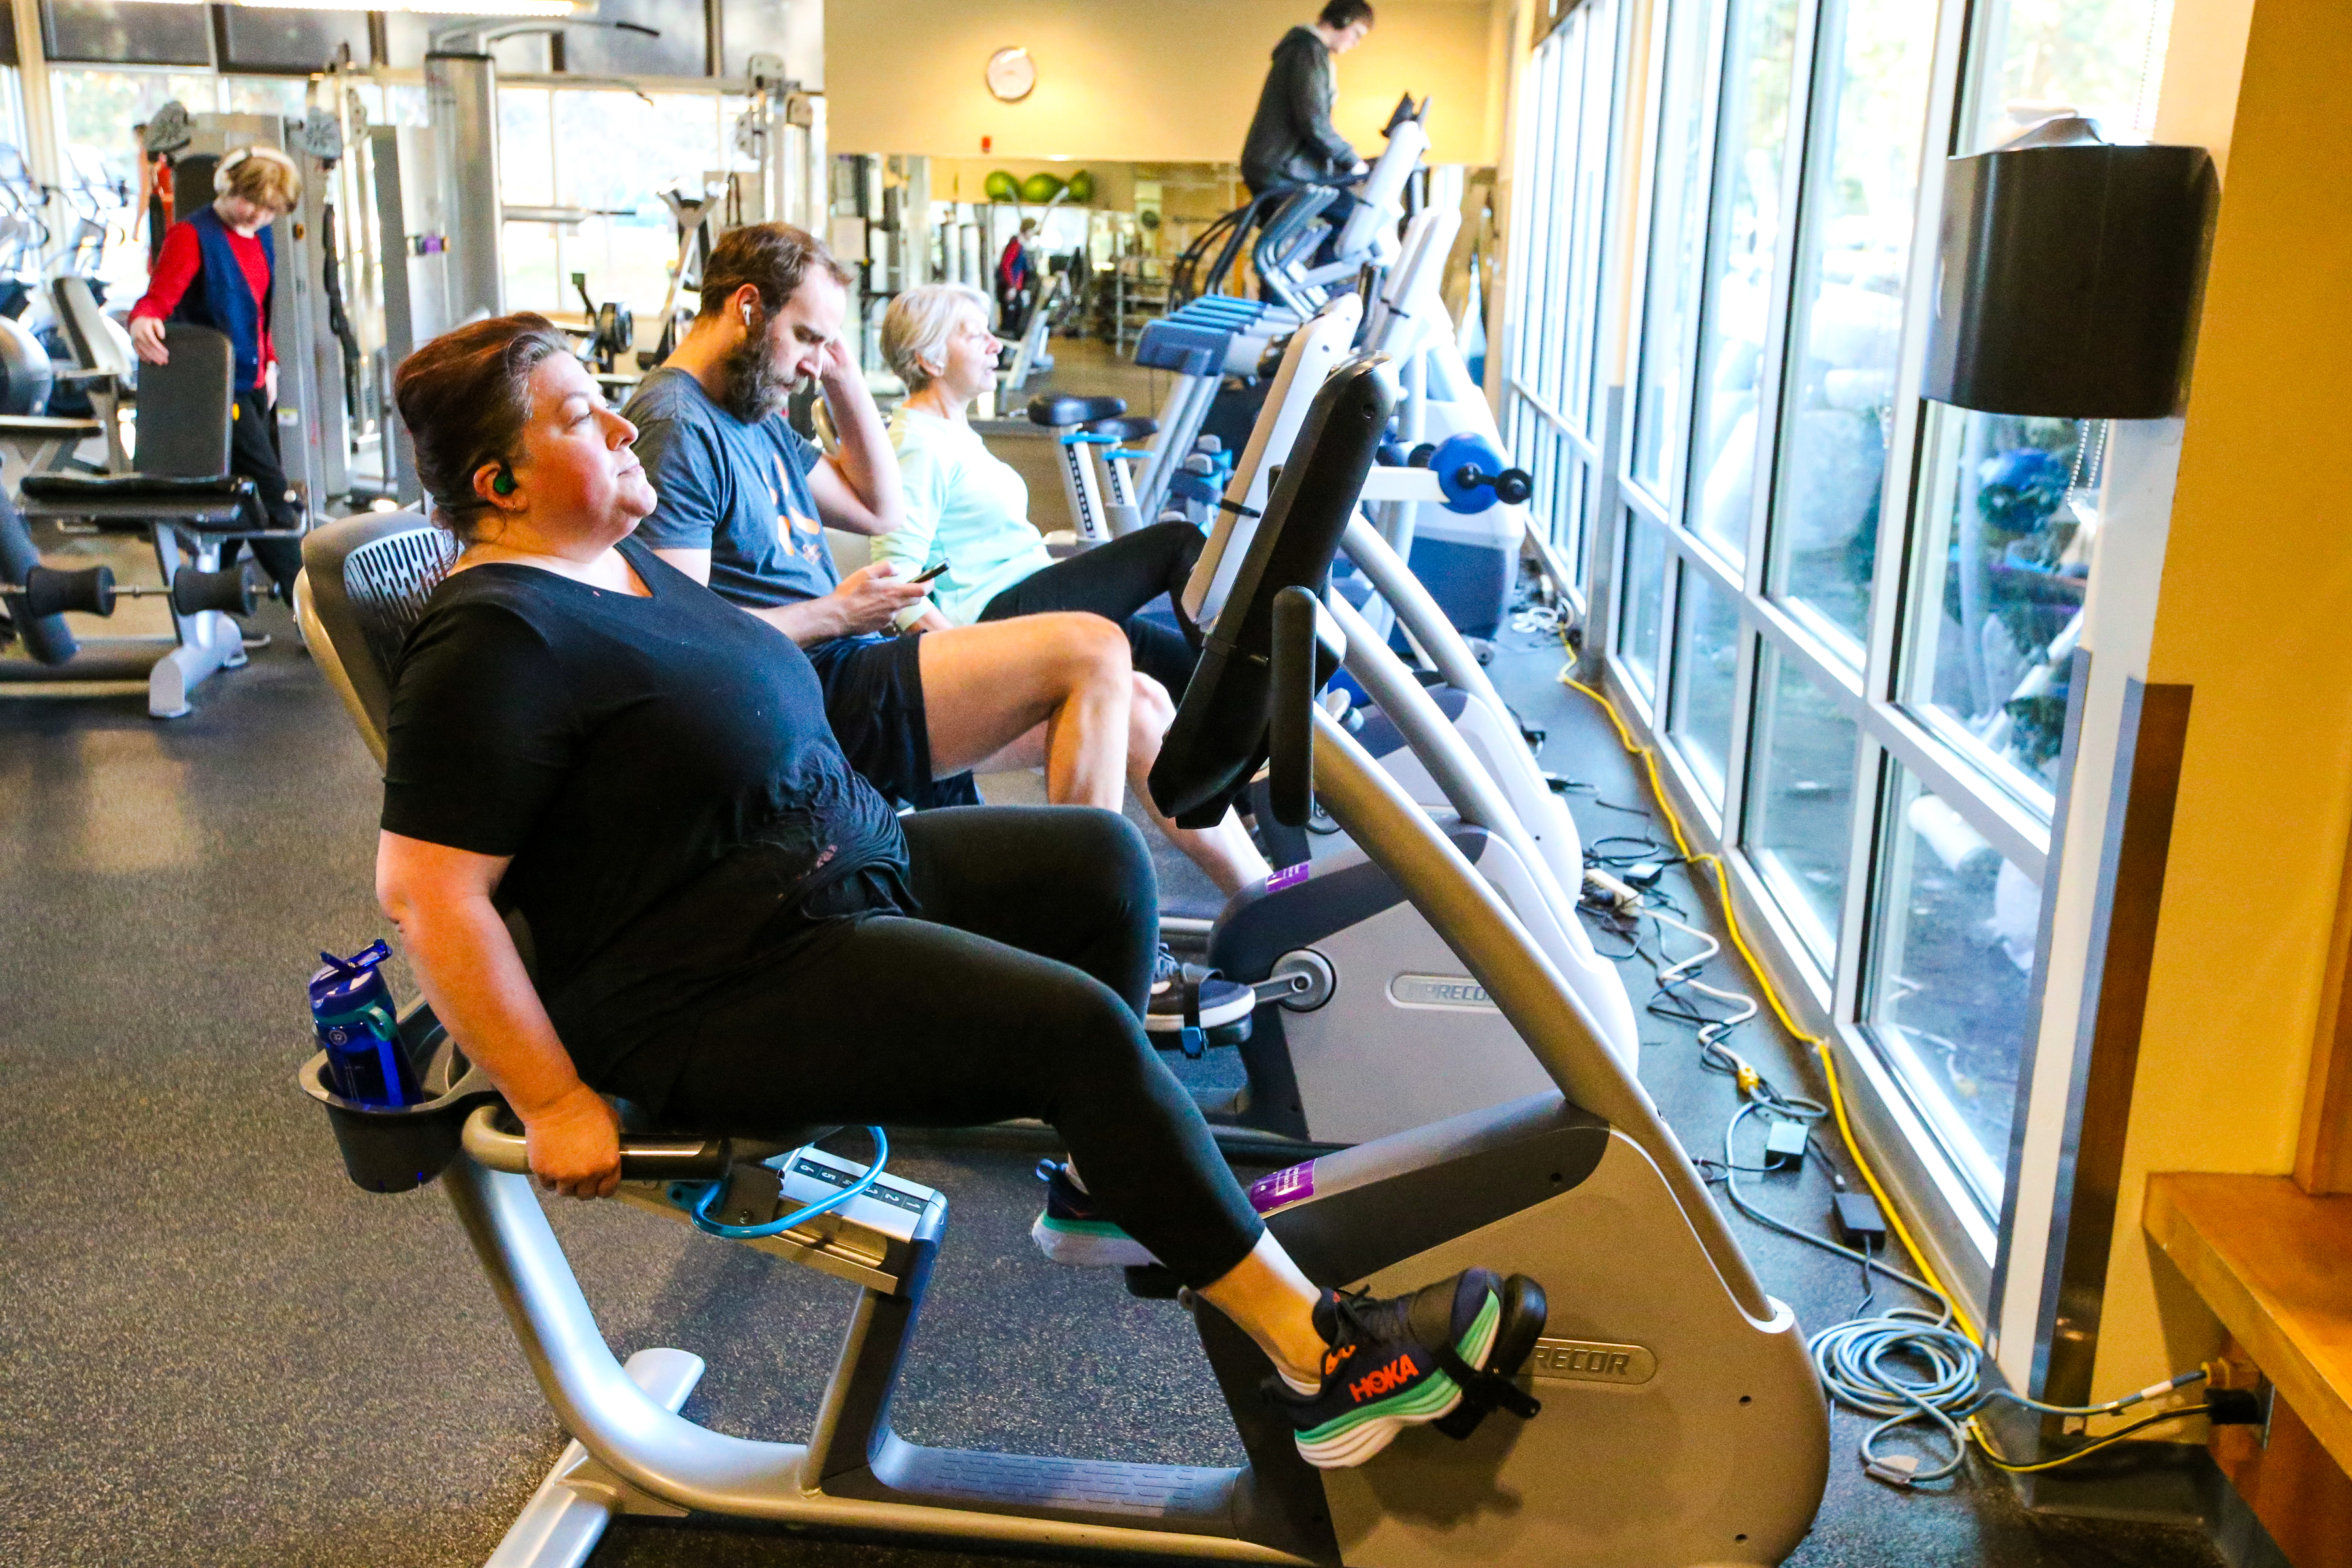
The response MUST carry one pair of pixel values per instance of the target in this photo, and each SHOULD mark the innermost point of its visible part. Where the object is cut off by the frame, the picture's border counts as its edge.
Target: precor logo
(1585, 1361)
(1456, 991)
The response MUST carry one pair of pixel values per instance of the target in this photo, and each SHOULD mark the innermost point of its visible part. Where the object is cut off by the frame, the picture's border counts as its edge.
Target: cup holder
(396, 1149)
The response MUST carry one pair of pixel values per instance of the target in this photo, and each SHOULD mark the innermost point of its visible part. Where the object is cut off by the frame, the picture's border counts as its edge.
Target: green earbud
(502, 483)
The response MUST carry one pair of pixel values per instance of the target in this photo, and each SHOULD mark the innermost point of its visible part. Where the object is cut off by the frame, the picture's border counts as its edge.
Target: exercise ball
(1082, 186)
(1001, 186)
(1040, 187)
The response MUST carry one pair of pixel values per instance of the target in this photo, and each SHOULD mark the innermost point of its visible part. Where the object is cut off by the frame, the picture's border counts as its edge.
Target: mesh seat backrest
(183, 405)
(389, 582)
(365, 583)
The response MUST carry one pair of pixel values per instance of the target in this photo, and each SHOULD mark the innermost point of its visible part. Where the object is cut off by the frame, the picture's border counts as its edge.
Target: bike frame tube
(674, 1460)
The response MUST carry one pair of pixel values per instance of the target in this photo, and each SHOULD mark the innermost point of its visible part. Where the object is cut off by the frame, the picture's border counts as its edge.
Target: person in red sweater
(215, 269)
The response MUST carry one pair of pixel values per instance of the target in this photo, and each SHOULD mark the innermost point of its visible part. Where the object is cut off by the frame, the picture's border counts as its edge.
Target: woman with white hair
(967, 512)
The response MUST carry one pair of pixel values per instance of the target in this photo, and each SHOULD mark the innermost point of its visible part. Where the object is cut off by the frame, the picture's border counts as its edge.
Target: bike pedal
(1525, 1313)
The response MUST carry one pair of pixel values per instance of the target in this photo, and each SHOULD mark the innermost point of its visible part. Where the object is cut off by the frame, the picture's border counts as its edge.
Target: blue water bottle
(351, 1009)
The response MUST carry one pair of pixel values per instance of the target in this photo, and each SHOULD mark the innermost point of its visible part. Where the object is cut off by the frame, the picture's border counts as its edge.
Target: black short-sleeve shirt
(659, 770)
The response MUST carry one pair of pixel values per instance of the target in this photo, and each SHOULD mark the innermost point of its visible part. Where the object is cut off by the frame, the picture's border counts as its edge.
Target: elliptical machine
(1681, 1423)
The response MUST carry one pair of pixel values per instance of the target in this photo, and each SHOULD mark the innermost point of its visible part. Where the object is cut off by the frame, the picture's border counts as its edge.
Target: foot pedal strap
(1487, 1390)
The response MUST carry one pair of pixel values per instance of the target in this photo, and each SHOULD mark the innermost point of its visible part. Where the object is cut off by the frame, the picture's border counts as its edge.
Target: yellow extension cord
(1771, 996)
(1975, 1426)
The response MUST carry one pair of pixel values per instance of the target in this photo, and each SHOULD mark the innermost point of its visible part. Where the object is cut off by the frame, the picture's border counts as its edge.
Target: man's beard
(756, 386)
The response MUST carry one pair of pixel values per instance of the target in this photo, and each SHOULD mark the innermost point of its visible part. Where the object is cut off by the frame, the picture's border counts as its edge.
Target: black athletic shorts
(874, 698)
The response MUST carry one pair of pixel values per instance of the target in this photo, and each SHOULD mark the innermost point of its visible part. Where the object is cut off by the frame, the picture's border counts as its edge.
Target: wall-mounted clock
(1012, 74)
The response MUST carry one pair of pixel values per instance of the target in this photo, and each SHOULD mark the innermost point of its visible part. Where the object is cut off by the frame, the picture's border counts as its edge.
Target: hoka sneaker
(1071, 1229)
(1200, 1006)
(1410, 1360)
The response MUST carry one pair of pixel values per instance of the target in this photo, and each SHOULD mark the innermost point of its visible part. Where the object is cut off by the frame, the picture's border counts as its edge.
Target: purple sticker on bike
(1290, 876)
(1282, 1188)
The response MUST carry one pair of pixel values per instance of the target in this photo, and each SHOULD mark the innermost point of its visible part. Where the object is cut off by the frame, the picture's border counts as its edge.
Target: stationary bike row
(1355, 993)
(1366, 1023)
(1681, 1424)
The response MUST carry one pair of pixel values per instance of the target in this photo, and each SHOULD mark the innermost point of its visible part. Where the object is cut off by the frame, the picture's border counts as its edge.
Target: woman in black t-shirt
(731, 927)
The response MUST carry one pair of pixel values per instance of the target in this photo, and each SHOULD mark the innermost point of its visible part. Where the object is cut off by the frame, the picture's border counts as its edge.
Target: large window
(598, 159)
(97, 111)
(1861, 193)
(1846, 614)
(1554, 413)
(1744, 231)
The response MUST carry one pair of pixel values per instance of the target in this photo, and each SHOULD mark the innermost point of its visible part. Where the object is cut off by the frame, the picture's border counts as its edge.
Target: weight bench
(184, 497)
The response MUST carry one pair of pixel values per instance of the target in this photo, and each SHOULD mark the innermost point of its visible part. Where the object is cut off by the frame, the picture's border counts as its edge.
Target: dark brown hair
(1341, 15)
(773, 258)
(464, 399)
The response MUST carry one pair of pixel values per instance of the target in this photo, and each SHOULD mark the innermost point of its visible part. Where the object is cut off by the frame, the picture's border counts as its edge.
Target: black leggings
(1016, 994)
(1114, 580)
(253, 453)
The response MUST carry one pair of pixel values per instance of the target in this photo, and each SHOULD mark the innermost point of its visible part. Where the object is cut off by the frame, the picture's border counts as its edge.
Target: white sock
(1304, 1390)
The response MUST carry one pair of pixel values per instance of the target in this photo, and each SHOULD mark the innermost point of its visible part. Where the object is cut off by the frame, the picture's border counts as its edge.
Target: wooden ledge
(2275, 1265)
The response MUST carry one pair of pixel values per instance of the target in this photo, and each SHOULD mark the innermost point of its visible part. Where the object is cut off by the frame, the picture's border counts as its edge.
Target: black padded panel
(184, 406)
(1055, 411)
(1219, 736)
(229, 505)
(124, 487)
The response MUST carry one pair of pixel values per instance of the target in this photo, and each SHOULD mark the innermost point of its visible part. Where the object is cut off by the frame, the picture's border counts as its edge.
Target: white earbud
(747, 312)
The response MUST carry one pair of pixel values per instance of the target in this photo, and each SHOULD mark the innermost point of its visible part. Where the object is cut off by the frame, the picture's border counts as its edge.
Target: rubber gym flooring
(218, 1351)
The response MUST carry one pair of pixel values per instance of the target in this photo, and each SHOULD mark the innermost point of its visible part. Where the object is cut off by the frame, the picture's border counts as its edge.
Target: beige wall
(1143, 81)
(2254, 611)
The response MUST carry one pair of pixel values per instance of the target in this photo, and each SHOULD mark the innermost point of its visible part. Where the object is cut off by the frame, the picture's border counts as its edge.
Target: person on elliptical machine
(1291, 141)
(215, 269)
(743, 502)
(734, 929)
(967, 534)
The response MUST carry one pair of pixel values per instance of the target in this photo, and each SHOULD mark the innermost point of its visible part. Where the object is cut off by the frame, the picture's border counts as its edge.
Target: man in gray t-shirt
(740, 491)
(743, 503)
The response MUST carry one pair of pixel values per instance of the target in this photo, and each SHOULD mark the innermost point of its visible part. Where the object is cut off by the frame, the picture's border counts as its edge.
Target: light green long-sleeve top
(965, 506)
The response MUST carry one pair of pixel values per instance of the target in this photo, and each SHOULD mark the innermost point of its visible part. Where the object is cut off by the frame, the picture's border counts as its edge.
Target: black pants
(253, 453)
(1015, 993)
(1114, 580)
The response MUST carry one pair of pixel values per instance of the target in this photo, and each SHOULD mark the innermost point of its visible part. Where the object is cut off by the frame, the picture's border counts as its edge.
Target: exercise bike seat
(1059, 412)
(1124, 427)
